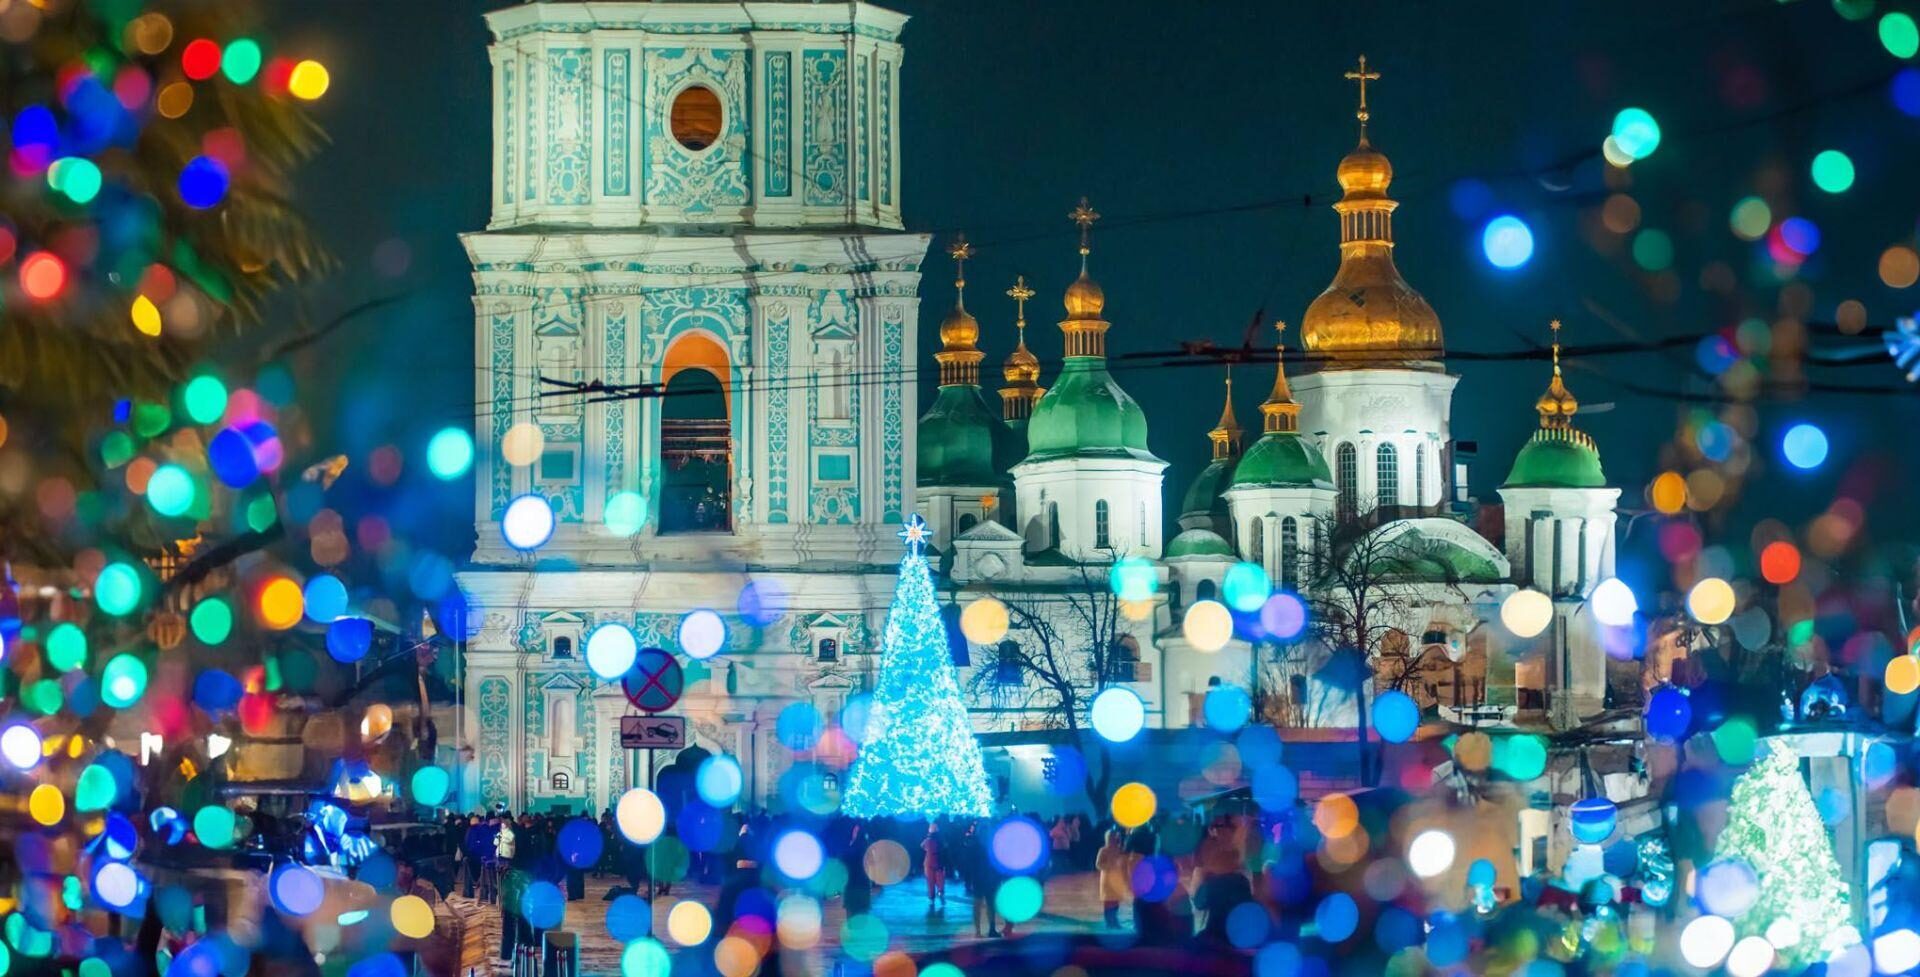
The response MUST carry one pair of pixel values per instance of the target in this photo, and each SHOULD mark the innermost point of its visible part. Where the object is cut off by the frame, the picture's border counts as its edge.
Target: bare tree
(1066, 643)
(1365, 586)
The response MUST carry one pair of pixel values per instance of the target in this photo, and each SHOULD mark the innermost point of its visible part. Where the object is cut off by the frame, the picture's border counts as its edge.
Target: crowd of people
(1204, 867)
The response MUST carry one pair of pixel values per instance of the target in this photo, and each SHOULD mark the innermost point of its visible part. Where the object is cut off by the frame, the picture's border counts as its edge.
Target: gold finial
(1226, 432)
(1281, 415)
(1084, 215)
(1022, 369)
(1557, 406)
(959, 356)
(960, 251)
(1363, 76)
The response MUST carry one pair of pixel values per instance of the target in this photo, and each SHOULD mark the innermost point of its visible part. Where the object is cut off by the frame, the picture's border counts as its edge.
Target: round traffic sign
(655, 681)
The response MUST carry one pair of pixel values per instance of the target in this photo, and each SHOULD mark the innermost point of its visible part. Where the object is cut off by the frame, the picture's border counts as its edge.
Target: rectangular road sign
(653, 732)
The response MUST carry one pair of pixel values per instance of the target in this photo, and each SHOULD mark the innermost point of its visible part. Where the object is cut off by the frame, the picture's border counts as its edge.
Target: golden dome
(959, 330)
(1369, 315)
(1021, 366)
(1022, 369)
(1084, 299)
(1365, 171)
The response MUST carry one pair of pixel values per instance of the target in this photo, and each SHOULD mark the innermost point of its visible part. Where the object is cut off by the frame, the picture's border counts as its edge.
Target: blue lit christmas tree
(920, 758)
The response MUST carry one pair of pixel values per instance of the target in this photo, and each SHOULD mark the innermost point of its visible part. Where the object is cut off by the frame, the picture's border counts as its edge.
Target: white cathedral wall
(512, 674)
(1561, 540)
(1408, 409)
(1131, 489)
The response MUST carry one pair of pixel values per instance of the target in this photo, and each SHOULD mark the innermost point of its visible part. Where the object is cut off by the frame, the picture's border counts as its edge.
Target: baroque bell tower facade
(694, 336)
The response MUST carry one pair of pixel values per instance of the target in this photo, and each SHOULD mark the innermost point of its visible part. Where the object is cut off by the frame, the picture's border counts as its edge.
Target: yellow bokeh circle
(689, 923)
(1903, 674)
(47, 805)
(1208, 625)
(1711, 601)
(412, 917)
(1134, 805)
(523, 444)
(984, 621)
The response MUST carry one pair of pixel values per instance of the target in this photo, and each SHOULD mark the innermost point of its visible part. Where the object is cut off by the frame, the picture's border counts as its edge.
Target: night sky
(1207, 135)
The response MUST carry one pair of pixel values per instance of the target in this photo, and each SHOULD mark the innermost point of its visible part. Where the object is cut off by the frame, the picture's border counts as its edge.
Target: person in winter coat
(1115, 866)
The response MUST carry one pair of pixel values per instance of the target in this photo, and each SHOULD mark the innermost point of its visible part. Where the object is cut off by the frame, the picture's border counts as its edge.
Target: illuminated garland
(920, 757)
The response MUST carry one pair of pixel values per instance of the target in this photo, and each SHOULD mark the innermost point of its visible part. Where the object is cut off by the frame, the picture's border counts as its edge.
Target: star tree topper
(914, 532)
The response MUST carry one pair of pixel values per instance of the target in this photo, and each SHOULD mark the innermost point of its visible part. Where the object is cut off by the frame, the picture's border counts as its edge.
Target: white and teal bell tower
(693, 296)
(703, 200)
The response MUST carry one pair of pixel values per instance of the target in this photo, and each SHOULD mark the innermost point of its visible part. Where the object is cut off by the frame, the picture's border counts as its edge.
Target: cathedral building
(695, 322)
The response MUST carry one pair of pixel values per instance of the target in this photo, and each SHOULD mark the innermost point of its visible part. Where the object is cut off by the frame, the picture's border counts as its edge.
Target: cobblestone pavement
(1071, 906)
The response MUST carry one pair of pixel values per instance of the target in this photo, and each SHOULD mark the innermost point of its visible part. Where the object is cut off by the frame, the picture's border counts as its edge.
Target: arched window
(563, 647)
(1387, 474)
(1289, 553)
(967, 521)
(1420, 474)
(828, 650)
(1257, 540)
(1102, 537)
(1141, 538)
(1053, 525)
(1204, 590)
(1347, 476)
(561, 781)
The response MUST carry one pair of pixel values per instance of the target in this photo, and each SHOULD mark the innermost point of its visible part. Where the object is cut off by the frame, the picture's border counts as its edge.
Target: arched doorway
(696, 440)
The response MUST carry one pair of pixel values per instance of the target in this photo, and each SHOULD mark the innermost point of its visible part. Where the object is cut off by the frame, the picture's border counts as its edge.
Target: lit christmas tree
(1773, 826)
(920, 758)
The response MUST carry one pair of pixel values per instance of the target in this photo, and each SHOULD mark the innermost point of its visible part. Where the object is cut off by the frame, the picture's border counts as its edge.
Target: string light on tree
(920, 757)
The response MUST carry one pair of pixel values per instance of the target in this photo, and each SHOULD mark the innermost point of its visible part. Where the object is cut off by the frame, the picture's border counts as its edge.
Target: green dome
(1282, 458)
(957, 437)
(1087, 414)
(1203, 497)
(1557, 458)
(1199, 542)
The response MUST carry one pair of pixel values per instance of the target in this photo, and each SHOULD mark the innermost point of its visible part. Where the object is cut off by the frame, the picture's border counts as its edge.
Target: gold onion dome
(1021, 367)
(959, 355)
(1369, 315)
(1557, 406)
(1084, 299)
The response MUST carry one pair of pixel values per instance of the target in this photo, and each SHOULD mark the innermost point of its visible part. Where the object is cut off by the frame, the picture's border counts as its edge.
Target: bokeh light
(527, 523)
(984, 621)
(625, 513)
(702, 634)
(1613, 603)
(1711, 601)
(1526, 612)
(1246, 587)
(611, 650)
(1832, 171)
(1430, 853)
(1134, 805)
(450, 453)
(640, 816)
(1117, 715)
(1636, 133)
(1208, 625)
(1804, 446)
(1507, 242)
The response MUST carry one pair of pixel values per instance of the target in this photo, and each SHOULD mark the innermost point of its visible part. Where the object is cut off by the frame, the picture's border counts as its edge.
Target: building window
(1420, 474)
(1297, 696)
(561, 781)
(1053, 525)
(695, 117)
(1387, 474)
(967, 521)
(1347, 477)
(1289, 553)
(1141, 539)
(1257, 541)
(828, 650)
(1204, 590)
(563, 647)
(1102, 539)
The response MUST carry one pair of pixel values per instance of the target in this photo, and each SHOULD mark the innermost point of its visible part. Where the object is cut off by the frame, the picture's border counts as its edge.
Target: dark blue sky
(1198, 129)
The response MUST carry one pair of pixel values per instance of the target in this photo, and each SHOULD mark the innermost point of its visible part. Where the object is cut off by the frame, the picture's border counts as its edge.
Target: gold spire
(1226, 434)
(1369, 315)
(1280, 414)
(1086, 330)
(959, 357)
(1557, 405)
(1022, 369)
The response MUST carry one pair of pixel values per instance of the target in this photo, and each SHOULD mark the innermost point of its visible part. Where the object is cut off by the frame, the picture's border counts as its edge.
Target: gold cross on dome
(1555, 326)
(1363, 76)
(1020, 293)
(1084, 215)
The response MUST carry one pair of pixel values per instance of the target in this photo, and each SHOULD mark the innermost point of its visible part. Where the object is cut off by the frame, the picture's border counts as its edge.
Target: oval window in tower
(695, 117)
